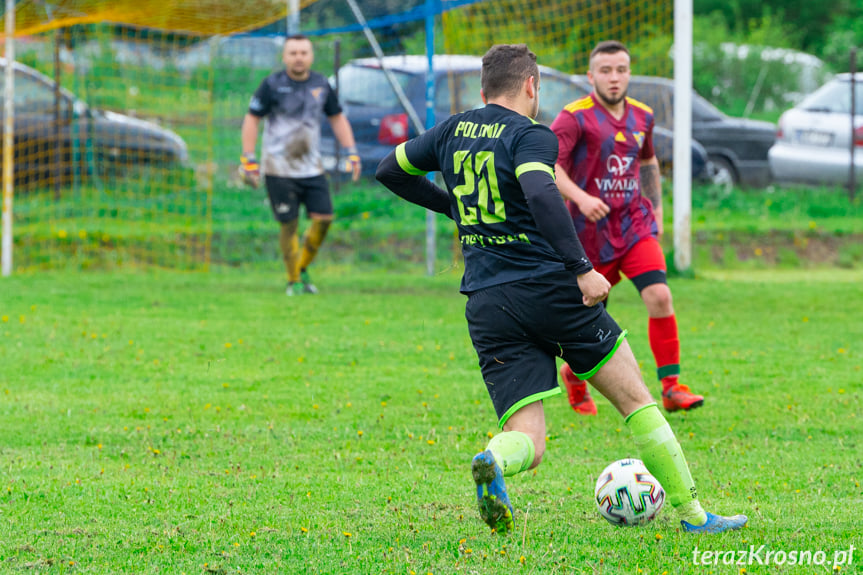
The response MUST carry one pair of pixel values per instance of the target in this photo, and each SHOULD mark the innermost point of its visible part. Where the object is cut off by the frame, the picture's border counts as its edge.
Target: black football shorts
(286, 195)
(519, 328)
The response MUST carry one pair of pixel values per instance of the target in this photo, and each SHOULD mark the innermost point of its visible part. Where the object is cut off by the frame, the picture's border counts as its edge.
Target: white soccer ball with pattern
(627, 494)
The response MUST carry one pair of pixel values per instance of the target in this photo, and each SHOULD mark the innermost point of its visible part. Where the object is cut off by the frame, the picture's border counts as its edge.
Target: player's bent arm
(651, 186)
(249, 133)
(651, 182)
(415, 188)
(553, 220)
(342, 130)
(567, 187)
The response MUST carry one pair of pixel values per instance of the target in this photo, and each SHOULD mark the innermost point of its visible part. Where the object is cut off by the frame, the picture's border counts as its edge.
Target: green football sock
(663, 457)
(513, 451)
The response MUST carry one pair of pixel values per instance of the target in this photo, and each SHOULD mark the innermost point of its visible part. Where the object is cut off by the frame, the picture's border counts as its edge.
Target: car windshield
(464, 94)
(660, 97)
(834, 96)
(32, 94)
(369, 86)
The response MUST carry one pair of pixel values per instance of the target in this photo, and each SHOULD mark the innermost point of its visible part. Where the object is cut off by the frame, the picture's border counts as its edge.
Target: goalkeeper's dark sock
(665, 345)
(513, 451)
(313, 239)
(663, 457)
(289, 243)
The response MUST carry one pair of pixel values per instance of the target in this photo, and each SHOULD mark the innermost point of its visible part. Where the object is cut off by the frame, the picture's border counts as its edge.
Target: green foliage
(203, 423)
(810, 22)
(733, 71)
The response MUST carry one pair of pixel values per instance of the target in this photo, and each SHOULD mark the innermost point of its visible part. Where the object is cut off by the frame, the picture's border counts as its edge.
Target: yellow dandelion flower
(659, 537)
(228, 344)
(430, 442)
(252, 533)
(759, 252)
(304, 530)
(5, 319)
(82, 234)
(521, 559)
(346, 534)
(360, 432)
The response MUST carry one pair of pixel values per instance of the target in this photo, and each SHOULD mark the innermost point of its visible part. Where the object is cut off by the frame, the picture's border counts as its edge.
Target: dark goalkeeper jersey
(292, 130)
(481, 154)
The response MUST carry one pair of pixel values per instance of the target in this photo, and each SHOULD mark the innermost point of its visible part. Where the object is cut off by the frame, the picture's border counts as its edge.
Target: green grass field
(203, 423)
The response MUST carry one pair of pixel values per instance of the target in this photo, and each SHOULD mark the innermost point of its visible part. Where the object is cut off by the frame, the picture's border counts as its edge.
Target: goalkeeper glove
(353, 164)
(250, 170)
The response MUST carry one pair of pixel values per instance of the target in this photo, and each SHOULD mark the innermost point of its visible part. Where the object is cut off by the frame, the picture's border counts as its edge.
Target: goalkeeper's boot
(716, 524)
(294, 288)
(579, 397)
(678, 396)
(308, 286)
(494, 506)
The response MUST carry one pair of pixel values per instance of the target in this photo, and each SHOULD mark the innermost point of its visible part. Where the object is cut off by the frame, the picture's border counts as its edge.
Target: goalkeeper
(292, 101)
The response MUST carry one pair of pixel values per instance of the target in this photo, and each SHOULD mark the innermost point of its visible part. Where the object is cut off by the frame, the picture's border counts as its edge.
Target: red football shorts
(645, 257)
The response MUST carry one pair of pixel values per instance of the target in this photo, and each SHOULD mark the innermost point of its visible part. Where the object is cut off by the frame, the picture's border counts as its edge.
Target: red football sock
(665, 344)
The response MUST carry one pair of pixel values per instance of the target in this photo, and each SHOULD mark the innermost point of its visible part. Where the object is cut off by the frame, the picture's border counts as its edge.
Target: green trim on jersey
(527, 401)
(405, 164)
(605, 359)
(533, 167)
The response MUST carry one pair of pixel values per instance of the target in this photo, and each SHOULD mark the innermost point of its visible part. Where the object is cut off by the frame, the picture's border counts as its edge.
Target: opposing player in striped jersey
(532, 293)
(609, 174)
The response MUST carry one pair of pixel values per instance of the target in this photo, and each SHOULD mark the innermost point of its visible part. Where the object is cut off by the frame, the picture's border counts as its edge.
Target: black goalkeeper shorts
(286, 195)
(519, 328)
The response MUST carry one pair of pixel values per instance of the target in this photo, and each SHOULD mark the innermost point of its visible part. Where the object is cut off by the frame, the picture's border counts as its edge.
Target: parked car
(380, 122)
(814, 140)
(736, 147)
(66, 139)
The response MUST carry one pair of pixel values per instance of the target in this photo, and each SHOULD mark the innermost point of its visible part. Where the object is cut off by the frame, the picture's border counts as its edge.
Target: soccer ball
(627, 494)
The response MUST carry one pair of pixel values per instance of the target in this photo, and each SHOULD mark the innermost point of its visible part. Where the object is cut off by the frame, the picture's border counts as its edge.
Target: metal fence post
(852, 179)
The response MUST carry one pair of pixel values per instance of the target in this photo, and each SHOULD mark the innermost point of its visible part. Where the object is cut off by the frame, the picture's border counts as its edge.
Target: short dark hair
(609, 47)
(505, 67)
(297, 37)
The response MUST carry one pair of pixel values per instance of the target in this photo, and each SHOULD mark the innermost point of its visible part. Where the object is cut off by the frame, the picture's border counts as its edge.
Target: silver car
(814, 140)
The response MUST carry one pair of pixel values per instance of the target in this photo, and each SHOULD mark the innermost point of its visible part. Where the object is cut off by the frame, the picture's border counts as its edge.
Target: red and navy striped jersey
(602, 155)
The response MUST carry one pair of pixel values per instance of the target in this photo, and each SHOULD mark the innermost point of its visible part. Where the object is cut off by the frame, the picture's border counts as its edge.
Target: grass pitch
(190, 423)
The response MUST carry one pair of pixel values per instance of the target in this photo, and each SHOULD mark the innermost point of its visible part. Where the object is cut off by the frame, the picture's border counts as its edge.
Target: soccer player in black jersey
(532, 293)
